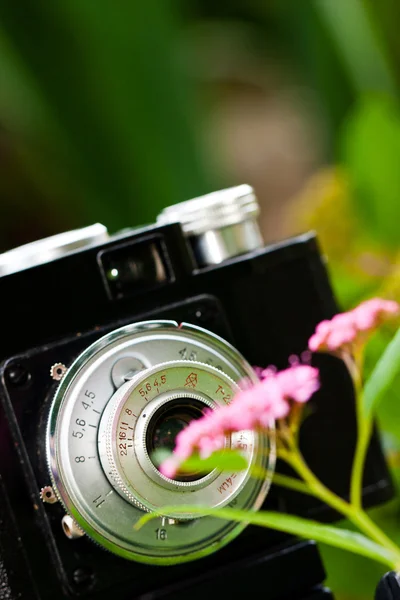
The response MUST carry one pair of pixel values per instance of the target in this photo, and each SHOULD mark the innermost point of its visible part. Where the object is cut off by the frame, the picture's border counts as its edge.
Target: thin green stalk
(363, 438)
(293, 484)
(355, 514)
(364, 424)
(296, 460)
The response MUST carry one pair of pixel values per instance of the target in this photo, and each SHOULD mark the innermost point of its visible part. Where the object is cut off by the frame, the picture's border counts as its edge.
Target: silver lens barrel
(220, 225)
(127, 422)
(102, 435)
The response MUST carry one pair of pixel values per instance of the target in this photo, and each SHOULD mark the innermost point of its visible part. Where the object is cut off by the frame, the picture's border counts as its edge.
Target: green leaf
(226, 460)
(354, 577)
(358, 44)
(306, 528)
(388, 409)
(371, 145)
(382, 377)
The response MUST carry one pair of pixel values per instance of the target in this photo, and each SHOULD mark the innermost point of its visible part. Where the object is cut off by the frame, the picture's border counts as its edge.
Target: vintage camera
(110, 346)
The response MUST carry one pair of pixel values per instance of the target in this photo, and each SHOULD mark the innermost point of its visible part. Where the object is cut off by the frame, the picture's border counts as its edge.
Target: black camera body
(266, 302)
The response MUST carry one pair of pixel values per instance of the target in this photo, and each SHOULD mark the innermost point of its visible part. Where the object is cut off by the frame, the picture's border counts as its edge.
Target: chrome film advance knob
(220, 225)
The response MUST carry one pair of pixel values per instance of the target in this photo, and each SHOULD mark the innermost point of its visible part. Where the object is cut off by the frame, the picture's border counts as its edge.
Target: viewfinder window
(136, 267)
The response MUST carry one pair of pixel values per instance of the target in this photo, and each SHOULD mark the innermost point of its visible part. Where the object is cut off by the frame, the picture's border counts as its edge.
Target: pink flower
(263, 373)
(254, 406)
(372, 313)
(170, 466)
(258, 371)
(298, 383)
(352, 327)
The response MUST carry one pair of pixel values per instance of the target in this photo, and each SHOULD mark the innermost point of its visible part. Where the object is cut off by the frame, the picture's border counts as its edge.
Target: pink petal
(369, 314)
(169, 467)
(349, 328)
(255, 406)
(315, 342)
(298, 382)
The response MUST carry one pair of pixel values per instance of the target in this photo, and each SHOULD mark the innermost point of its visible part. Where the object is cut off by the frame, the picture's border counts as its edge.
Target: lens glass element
(167, 422)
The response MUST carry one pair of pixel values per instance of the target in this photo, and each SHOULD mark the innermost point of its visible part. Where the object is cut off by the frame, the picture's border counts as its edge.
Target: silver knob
(71, 528)
(220, 225)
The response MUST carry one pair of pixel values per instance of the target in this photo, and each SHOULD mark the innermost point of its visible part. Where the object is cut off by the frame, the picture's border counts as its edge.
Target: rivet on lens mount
(47, 495)
(58, 371)
(71, 528)
(18, 375)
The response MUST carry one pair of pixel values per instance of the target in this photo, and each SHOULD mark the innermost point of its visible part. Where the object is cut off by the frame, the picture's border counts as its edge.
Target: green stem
(293, 484)
(364, 434)
(296, 460)
(369, 527)
(355, 514)
(364, 427)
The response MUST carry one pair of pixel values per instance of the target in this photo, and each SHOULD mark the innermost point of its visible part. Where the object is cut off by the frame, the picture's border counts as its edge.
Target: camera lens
(142, 397)
(169, 420)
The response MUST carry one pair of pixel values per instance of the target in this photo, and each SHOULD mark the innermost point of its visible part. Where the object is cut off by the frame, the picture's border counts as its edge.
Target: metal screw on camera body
(18, 375)
(57, 371)
(47, 495)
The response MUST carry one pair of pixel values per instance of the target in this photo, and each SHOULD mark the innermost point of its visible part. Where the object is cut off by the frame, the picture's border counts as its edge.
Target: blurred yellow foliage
(325, 205)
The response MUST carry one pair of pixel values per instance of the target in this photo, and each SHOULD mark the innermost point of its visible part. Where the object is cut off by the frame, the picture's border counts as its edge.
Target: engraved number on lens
(161, 534)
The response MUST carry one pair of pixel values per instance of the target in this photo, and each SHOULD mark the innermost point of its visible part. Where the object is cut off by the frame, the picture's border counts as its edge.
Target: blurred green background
(111, 110)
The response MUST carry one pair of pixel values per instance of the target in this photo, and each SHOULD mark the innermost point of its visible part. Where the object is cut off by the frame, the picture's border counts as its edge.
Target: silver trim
(50, 248)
